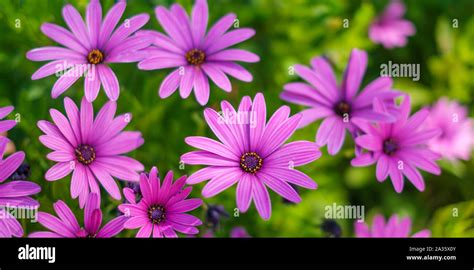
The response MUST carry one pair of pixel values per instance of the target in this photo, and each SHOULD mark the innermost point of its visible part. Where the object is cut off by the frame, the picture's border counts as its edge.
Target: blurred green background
(288, 32)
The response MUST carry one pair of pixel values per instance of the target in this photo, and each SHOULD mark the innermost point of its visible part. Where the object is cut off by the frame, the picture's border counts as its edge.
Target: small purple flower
(398, 148)
(331, 228)
(162, 210)
(338, 105)
(390, 29)
(92, 149)
(6, 125)
(67, 226)
(395, 227)
(236, 232)
(214, 214)
(22, 173)
(239, 232)
(251, 152)
(457, 130)
(195, 54)
(89, 49)
(13, 194)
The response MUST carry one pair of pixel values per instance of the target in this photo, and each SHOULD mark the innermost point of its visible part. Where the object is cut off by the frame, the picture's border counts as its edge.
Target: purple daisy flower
(162, 210)
(390, 29)
(195, 55)
(67, 226)
(338, 105)
(13, 194)
(398, 148)
(457, 130)
(89, 48)
(6, 125)
(395, 228)
(252, 153)
(91, 148)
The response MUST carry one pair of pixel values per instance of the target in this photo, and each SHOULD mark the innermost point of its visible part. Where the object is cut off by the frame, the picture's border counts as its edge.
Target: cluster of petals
(13, 194)
(90, 148)
(65, 225)
(88, 48)
(195, 54)
(162, 210)
(395, 227)
(251, 153)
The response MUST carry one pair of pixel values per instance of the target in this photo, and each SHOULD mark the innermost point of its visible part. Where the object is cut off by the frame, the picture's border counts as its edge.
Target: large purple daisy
(91, 148)
(196, 55)
(252, 153)
(338, 105)
(13, 194)
(67, 226)
(162, 210)
(396, 227)
(398, 148)
(89, 49)
(6, 125)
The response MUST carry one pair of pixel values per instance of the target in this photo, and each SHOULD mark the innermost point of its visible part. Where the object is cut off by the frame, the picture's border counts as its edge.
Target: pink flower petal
(234, 55)
(199, 20)
(74, 21)
(201, 87)
(280, 187)
(219, 28)
(244, 192)
(19, 189)
(9, 165)
(354, 73)
(110, 21)
(63, 37)
(106, 180)
(231, 38)
(114, 227)
(220, 183)
(217, 76)
(170, 84)
(109, 81)
(66, 215)
(94, 20)
(59, 171)
(262, 199)
(125, 30)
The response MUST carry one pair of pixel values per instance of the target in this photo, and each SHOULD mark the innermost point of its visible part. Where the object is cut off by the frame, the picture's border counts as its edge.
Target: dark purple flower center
(343, 109)
(156, 213)
(251, 162)
(195, 57)
(95, 57)
(85, 154)
(390, 146)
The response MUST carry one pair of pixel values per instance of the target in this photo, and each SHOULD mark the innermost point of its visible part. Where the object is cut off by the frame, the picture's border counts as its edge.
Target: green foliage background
(288, 32)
